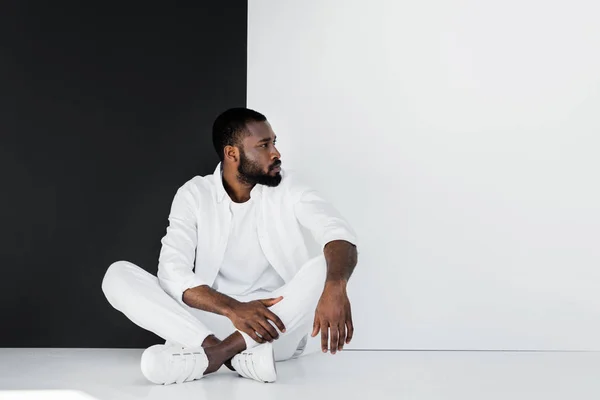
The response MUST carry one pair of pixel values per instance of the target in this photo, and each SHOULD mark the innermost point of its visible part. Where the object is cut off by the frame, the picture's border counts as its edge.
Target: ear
(231, 153)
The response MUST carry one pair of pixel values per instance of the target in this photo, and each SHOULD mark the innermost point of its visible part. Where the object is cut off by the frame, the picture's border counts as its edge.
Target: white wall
(461, 140)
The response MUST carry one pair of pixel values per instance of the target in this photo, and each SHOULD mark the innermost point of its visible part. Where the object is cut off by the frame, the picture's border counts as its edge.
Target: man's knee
(306, 287)
(115, 280)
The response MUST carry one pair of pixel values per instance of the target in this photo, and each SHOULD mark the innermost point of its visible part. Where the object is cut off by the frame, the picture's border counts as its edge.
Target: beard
(251, 173)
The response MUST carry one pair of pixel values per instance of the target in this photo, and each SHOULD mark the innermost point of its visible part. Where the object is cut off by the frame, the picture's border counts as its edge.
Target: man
(234, 265)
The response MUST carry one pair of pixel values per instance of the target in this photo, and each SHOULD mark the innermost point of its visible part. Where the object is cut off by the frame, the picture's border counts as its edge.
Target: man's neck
(239, 192)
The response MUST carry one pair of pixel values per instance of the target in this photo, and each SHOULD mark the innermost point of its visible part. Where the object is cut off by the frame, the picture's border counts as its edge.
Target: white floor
(115, 374)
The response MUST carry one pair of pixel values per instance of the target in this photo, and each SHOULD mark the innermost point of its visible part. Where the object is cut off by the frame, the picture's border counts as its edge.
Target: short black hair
(230, 127)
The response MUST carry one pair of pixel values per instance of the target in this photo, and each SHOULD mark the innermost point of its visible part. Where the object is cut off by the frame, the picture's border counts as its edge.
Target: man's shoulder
(199, 185)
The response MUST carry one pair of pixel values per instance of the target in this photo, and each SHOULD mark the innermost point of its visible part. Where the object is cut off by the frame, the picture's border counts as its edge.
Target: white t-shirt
(245, 268)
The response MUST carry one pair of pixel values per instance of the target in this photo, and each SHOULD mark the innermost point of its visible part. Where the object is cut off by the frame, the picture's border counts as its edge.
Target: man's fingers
(324, 336)
(271, 315)
(350, 330)
(271, 331)
(262, 331)
(252, 333)
(315, 327)
(342, 338)
(270, 302)
(334, 337)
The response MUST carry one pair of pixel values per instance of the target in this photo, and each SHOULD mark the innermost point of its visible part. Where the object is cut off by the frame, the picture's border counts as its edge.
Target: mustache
(275, 164)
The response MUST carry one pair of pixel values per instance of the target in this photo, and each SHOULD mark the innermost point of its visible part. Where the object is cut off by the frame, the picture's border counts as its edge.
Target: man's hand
(254, 316)
(333, 313)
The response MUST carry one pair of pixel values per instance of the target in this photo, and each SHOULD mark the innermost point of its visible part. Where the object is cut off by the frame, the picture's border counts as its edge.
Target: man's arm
(249, 317)
(339, 243)
(178, 250)
(341, 259)
(333, 316)
(207, 299)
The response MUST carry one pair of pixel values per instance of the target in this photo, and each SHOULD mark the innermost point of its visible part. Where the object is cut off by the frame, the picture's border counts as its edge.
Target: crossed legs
(137, 294)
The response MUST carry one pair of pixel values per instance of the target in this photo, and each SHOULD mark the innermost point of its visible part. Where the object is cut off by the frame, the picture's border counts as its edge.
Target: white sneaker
(257, 363)
(166, 364)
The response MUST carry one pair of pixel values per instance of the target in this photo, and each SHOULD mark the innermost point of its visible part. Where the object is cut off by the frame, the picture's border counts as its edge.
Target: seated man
(234, 265)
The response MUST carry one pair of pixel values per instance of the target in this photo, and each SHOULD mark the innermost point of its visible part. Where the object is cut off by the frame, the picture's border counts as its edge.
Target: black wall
(104, 112)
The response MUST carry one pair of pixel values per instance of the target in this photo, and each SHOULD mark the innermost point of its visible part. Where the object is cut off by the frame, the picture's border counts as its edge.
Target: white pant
(137, 294)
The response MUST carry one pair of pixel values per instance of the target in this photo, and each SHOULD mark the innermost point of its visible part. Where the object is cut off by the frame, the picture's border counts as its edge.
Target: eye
(265, 145)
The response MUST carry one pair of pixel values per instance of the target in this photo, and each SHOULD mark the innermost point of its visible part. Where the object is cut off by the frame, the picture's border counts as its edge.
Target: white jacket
(199, 223)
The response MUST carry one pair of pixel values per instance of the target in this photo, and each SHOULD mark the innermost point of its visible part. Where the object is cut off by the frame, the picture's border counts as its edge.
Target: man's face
(259, 159)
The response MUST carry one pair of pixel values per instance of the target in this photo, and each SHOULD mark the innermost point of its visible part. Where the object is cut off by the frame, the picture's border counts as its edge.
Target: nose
(275, 154)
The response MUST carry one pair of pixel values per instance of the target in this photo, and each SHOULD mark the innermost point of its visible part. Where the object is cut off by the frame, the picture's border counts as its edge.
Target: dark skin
(333, 310)
(333, 317)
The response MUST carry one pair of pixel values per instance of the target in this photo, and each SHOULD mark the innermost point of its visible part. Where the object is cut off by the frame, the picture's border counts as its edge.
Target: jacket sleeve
(177, 254)
(320, 217)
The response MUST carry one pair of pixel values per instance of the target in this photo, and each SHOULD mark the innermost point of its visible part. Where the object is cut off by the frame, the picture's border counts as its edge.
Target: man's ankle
(211, 340)
(228, 365)
(215, 359)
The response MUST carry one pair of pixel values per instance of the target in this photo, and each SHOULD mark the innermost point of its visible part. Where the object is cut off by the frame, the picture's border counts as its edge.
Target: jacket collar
(221, 193)
(218, 179)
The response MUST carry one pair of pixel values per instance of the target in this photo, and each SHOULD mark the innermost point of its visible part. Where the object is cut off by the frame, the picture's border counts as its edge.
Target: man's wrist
(229, 308)
(336, 284)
